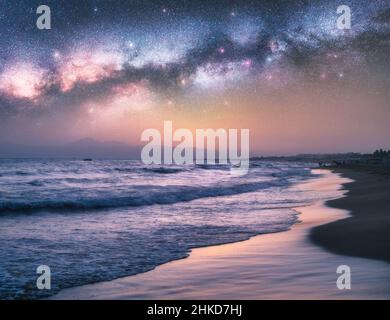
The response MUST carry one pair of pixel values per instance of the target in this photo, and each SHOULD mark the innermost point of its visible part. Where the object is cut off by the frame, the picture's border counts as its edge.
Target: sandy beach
(285, 265)
(366, 232)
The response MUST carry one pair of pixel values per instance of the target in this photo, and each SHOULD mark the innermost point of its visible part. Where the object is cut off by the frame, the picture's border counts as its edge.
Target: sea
(92, 221)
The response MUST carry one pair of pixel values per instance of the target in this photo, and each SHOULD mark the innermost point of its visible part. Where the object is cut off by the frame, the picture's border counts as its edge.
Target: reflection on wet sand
(283, 265)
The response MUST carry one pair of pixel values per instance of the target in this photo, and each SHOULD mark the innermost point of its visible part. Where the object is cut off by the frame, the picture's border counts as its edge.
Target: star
(56, 55)
(247, 63)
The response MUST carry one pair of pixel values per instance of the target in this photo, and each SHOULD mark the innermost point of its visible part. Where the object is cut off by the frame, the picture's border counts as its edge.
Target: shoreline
(365, 233)
(284, 265)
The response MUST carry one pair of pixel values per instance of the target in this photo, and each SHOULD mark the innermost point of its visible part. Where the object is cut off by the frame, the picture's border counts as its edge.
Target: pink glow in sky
(88, 67)
(23, 81)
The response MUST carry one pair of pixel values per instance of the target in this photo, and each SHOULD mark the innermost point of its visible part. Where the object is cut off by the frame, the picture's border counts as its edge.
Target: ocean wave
(78, 180)
(292, 172)
(163, 170)
(159, 195)
(22, 173)
(215, 166)
(120, 169)
(36, 183)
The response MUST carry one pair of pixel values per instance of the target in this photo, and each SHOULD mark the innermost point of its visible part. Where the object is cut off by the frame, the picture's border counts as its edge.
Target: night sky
(110, 69)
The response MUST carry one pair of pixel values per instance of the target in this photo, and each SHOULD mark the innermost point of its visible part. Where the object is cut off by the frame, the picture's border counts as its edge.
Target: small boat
(87, 159)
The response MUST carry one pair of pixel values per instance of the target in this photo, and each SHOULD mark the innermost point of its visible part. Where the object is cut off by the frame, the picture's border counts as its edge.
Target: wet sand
(366, 233)
(285, 265)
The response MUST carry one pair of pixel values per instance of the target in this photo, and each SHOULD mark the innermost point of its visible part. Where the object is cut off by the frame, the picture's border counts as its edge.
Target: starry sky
(110, 69)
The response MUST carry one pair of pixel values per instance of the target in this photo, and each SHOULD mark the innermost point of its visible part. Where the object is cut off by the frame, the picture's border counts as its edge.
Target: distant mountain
(80, 149)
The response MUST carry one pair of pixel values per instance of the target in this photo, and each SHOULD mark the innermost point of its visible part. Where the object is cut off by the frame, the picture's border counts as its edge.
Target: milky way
(137, 54)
